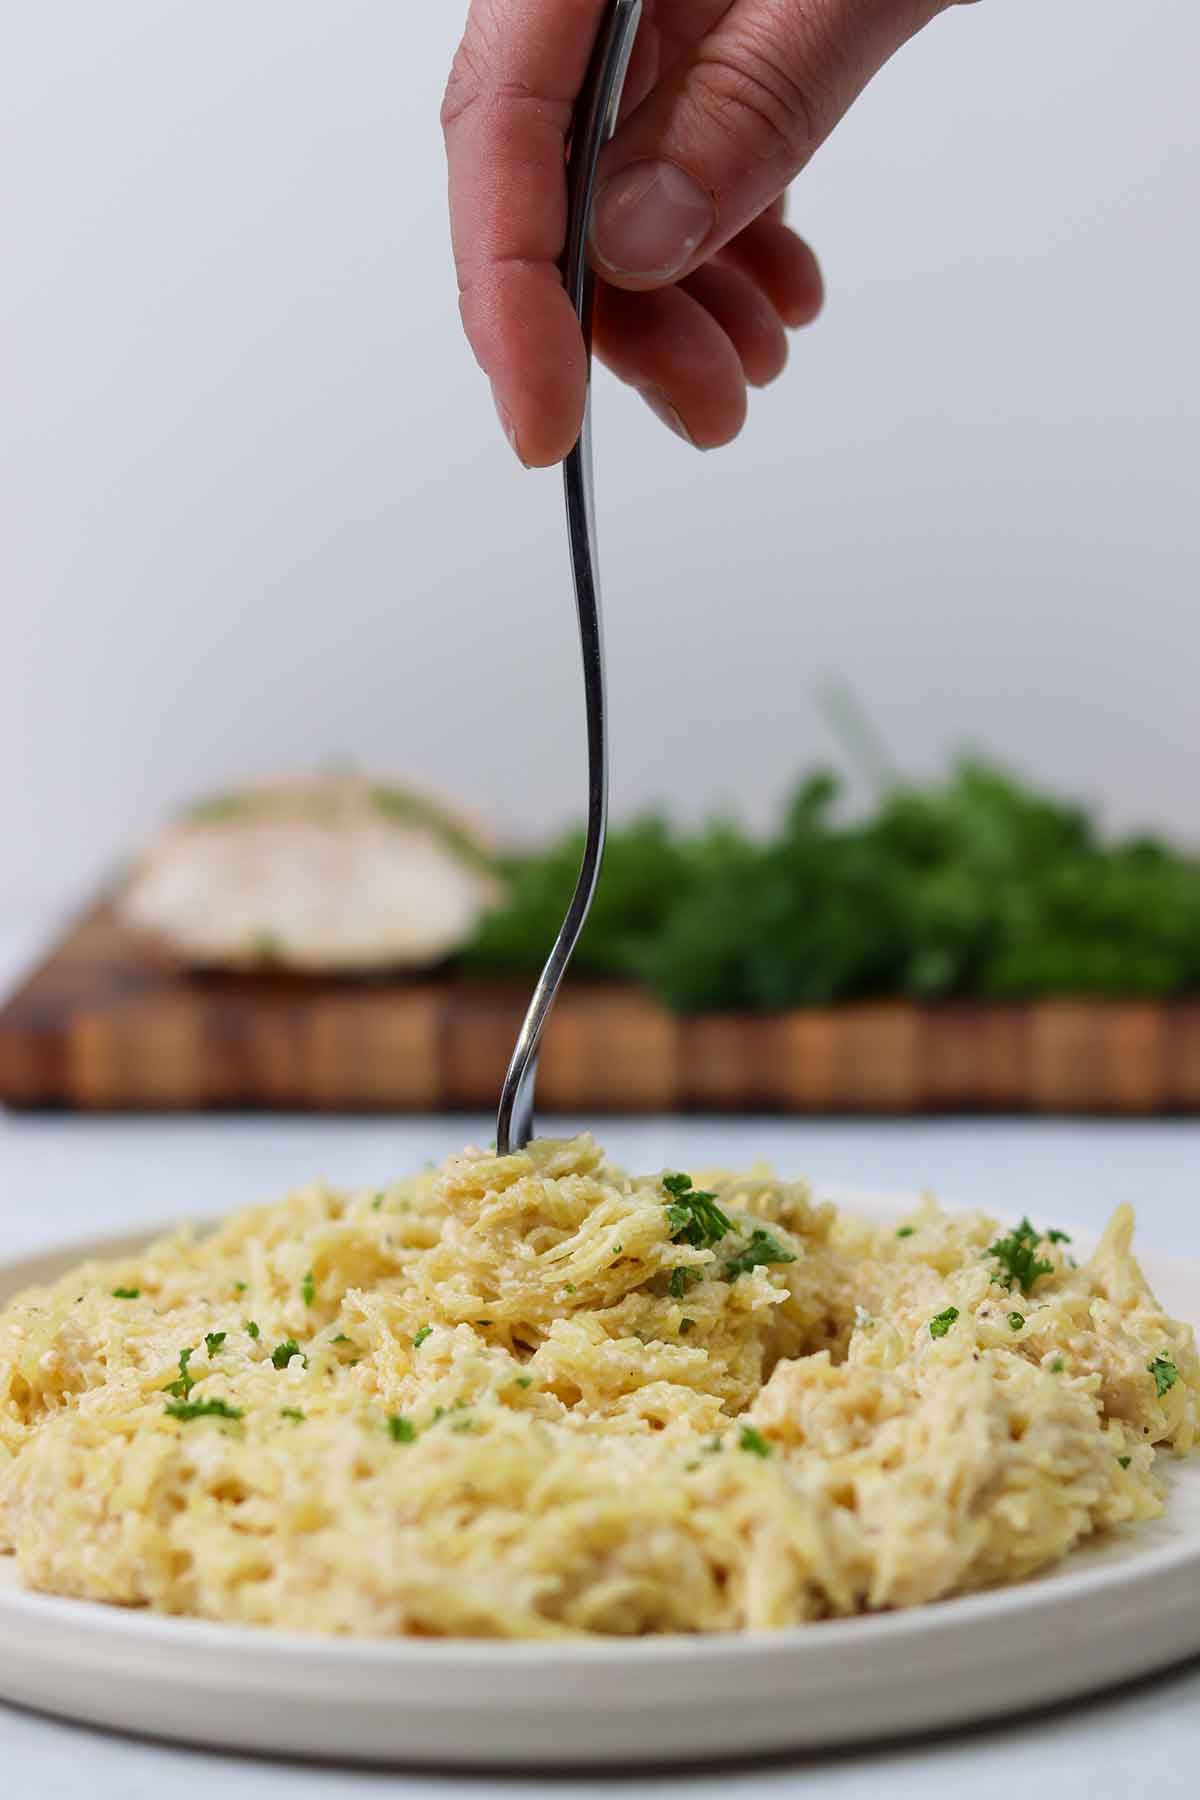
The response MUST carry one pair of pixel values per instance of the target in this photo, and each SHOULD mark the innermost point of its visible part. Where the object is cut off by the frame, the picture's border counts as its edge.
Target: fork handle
(595, 120)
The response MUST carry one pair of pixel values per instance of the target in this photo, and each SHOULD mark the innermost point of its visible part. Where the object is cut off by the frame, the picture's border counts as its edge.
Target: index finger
(506, 118)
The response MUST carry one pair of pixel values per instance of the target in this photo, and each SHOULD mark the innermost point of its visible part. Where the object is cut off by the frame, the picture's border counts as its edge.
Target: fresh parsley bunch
(978, 885)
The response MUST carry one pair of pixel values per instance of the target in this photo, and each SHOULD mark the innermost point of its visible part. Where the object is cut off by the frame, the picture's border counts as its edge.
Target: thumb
(722, 135)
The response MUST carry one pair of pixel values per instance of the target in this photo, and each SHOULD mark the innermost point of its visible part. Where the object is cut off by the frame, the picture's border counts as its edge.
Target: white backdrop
(256, 511)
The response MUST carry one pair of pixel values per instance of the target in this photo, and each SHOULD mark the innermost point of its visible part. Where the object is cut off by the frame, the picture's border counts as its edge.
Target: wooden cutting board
(98, 1026)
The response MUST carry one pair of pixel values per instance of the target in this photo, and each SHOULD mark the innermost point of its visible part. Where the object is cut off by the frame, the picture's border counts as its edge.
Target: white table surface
(63, 1177)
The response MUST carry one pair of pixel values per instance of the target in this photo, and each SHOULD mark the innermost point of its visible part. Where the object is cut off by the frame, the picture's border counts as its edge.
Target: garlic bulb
(334, 874)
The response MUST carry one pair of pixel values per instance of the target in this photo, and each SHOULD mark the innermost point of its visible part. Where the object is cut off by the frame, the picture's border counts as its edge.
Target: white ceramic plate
(1118, 1608)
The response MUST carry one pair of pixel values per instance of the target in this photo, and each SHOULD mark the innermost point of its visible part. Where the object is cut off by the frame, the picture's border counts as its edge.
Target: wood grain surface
(99, 1026)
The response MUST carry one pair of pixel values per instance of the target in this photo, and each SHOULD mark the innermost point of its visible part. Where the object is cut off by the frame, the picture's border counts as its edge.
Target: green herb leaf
(213, 1341)
(761, 1250)
(184, 1410)
(1124, 1461)
(941, 1322)
(693, 1214)
(523, 1381)
(1015, 1321)
(239, 1287)
(906, 1231)
(425, 1331)
(126, 1293)
(681, 1280)
(1057, 1365)
(283, 1353)
(376, 1203)
(1017, 1255)
(1165, 1374)
(753, 1441)
(1059, 1237)
(250, 1328)
(686, 1325)
(308, 1288)
(184, 1384)
(290, 1412)
(400, 1429)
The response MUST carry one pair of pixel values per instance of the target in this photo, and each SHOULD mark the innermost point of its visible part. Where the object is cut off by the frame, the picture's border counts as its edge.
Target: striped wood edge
(97, 1026)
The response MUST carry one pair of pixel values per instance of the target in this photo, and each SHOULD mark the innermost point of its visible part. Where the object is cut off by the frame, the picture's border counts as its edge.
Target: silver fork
(594, 123)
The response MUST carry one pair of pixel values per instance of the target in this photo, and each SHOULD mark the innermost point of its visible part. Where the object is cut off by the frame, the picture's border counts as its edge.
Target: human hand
(700, 278)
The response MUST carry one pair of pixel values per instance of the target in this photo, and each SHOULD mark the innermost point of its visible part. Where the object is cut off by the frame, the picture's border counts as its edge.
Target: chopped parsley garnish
(1124, 1461)
(1015, 1321)
(1057, 1365)
(400, 1429)
(213, 1341)
(1017, 1255)
(761, 1250)
(681, 1280)
(686, 1325)
(290, 1412)
(524, 1381)
(1059, 1237)
(376, 1203)
(283, 1353)
(239, 1287)
(308, 1288)
(184, 1383)
(127, 1293)
(570, 1288)
(1164, 1372)
(202, 1409)
(341, 1338)
(251, 1328)
(425, 1331)
(616, 1250)
(906, 1231)
(941, 1322)
(753, 1441)
(693, 1214)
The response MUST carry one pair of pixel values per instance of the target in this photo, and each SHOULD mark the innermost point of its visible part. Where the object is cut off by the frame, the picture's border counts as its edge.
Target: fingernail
(650, 220)
(662, 409)
(510, 430)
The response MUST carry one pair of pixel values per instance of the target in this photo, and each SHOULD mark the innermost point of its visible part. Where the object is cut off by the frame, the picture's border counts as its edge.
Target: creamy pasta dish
(531, 1396)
